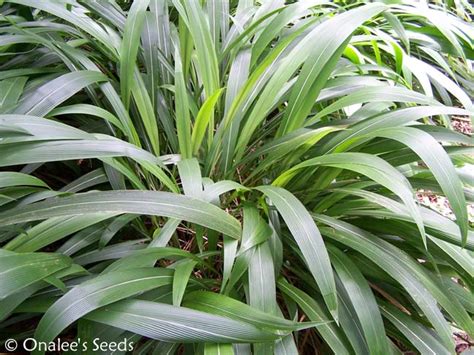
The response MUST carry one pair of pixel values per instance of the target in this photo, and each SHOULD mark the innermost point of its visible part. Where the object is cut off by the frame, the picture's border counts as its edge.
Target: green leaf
(177, 324)
(363, 301)
(183, 119)
(103, 148)
(218, 349)
(182, 273)
(309, 240)
(85, 109)
(373, 94)
(349, 320)
(329, 331)
(10, 91)
(238, 75)
(262, 289)
(204, 120)
(403, 269)
(145, 107)
(374, 168)
(255, 230)
(53, 229)
(77, 18)
(284, 18)
(327, 46)
(195, 19)
(114, 227)
(10, 303)
(21, 270)
(129, 47)
(37, 128)
(424, 340)
(190, 174)
(81, 240)
(133, 202)
(225, 306)
(437, 160)
(396, 118)
(162, 236)
(42, 100)
(8, 178)
(291, 146)
(98, 292)
(148, 258)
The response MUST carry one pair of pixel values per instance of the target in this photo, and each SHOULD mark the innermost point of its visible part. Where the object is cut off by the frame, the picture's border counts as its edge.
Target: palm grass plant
(236, 177)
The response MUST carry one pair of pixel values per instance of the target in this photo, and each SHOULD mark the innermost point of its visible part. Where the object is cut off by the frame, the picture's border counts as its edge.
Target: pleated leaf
(177, 324)
(96, 293)
(21, 270)
(136, 202)
(42, 100)
(309, 240)
(434, 156)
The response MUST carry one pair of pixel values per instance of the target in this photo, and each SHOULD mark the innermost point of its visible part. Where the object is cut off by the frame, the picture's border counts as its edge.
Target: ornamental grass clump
(236, 177)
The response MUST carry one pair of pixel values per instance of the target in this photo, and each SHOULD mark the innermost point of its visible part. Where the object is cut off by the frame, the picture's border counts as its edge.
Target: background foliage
(236, 176)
